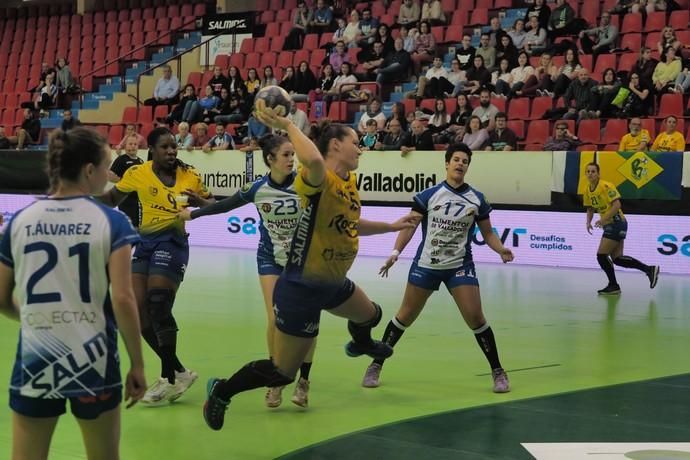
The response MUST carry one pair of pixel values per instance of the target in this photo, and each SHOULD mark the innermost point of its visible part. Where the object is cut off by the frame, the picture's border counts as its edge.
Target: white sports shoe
(159, 393)
(183, 380)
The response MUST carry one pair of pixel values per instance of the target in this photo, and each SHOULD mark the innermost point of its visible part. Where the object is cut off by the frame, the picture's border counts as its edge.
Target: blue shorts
(427, 278)
(267, 265)
(297, 304)
(83, 407)
(616, 231)
(168, 258)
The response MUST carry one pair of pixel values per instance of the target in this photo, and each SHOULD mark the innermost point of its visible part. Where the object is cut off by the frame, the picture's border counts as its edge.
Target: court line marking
(522, 369)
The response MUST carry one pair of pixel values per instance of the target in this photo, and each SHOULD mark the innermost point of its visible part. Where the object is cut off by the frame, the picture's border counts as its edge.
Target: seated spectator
(371, 59)
(321, 19)
(518, 34)
(636, 104)
(669, 140)
(370, 136)
(425, 48)
(637, 139)
(520, 74)
(604, 94)
(221, 141)
(439, 122)
(682, 84)
(45, 71)
(234, 113)
(465, 52)
(301, 19)
(568, 71)
(130, 206)
(222, 109)
(385, 37)
(131, 130)
(341, 85)
(541, 12)
(436, 81)
(299, 118)
(218, 81)
(477, 78)
(501, 79)
(252, 145)
(645, 66)
(409, 37)
(235, 77)
(201, 109)
(564, 21)
(255, 129)
(496, 32)
(600, 39)
(398, 114)
(304, 83)
(501, 137)
(535, 38)
(338, 56)
(394, 139)
(4, 142)
(396, 65)
(564, 139)
(506, 50)
(485, 111)
(432, 12)
(188, 97)
(184, 138)
(338, 34)
(579, 97)
(28, 133)
(487, 52)
(167, 89)
(369, 27)
(419, 139)
(47, 98)
(323, 85)
(373, 113)
(201, 136)
(462, 114)
(409, 13)
(65, 79)
(269, 78)
(668, 38)
(666, 72)
(475, 136)
(69, 121)
(542, 81)
(352, 34)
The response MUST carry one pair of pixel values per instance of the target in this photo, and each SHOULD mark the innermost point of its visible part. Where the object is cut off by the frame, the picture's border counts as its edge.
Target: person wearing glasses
(563, 140)
(670, 140)
(637, 138)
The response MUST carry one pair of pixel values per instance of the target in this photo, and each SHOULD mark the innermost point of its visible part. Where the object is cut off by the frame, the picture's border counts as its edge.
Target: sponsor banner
(229, 23)
(608, 450)
(223, 172)
(555, 239)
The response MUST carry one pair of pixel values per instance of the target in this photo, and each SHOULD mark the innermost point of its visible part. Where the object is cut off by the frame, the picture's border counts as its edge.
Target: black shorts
(83, 407)
(616, 230)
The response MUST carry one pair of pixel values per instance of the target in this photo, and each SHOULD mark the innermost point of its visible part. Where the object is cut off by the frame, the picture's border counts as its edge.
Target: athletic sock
(255, 374)
(304, 370)
(487, 342)
(361, 332)
(151, 339)
(393, 333)
(606, 265)
(631, 262)
(168, 363)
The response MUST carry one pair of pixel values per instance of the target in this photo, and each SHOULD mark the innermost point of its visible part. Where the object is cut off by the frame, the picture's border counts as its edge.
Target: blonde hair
(183, 124)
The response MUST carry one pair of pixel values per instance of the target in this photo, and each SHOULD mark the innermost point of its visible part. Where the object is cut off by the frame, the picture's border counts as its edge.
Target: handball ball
(276, 98)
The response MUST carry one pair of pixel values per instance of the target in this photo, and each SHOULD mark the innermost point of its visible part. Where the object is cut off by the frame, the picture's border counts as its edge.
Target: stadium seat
(615, 129)
(610, 147)
(631, 23)
(338, 111)
(283, 16)
(679, 20)
(145, 114)
(261, 44)
(277, 44)
(459, 19)
(518, 127)
(115, 134)
(273, 29)
(267, 59)
(285, 59)
(479, 17)
(437, 33)
(671, 104)
(632, 42)
(589, 131)
(537, 132)
(237, 60)
(453, 35)
(627, 61)
(586, 147)
(252, 60)
(539, 106)
(604, 61)
(129, 115)
(222, 61)
(652, 39)
(656, 21)
(194, 78)
(650, 125)
(160, 112)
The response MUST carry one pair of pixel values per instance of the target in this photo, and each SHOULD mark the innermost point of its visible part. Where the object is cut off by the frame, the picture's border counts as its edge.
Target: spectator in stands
(269, 79)
(535, 39)
(409, 13)
(520, 74)
(47, 98)
(369, 26)
(419, 139)
(236, 113)
(645, 66)
(29, 132)
(396, 65)
(436, 81)
(518, 33)
(475, 136)
(568, 71)
(387, 40)
(299, 118)
(131, 130)
(397, 114)
(465, 52)
(432, 12)
(188, 96)
(167, 89)
(339, 55)
(223, 109)
(542, 80)
(4, 145)
(670, 140)
(371, 59)
(626, 6)
(65, 79)
(235, 78)
(637, 139)
(305, 82)
(201, 136)
(600, 39)
(668, 38)
(252, 84)
(485, 111)
(478, 78)
(395, 138)
(373, 113)
(255, 129)
(495, 31)
(564, 139)
(69, 121)
(184, 138)
(682, 84)
(604, 94)
(409, 37)
(439, 122)
(502, 79)
(501, 138)
(463, 112)
(352, 34)
(370, 136)
(579, 97)
(201, 109)
(323, 85)
(288, 80)
(487, 52)
(425, 48)
(342, 83)
(322, 18)
(541, 12)
(636, 104)
(300, 21)
(507, 50)
(564, 21)
(221, 141)
(218, 81)
(666, 71)
(338, 34)
(45, 71)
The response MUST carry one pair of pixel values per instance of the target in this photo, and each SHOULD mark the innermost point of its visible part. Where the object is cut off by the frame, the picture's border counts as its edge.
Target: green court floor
(555, 336)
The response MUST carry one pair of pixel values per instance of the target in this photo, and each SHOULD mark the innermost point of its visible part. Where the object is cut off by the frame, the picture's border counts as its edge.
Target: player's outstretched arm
(219, 207)
(8, 307)
(401, 243)
(112, 197)
(370, 227)
(493, 241)
(127, 317)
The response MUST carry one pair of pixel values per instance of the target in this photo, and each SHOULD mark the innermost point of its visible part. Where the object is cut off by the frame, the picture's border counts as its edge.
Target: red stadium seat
(671, 104)
(518, 127)
(679, 20)
(479, 17)
(129, 115)
(589, 131)
(627, 61)
(453, 35)
(261, 44)
(311, 41)
(539, 106)
(252, 60)
(656, 21)
(652, 40)
(199, 9)
(237, 60)
(437, 33)
(283, 16)
(614, 130)
(222, 61)
(194, 78)
(303, 55)
(650, 125)
(267, 17)
(604, 61)
(285, 59)
(247, 46)
(267, 59)
(277, 44)
(272, 29)
(632, 42)
(161, 112)
(631, 23)
(337, 111)
(115, 135)
(587, 147)
(537, 131)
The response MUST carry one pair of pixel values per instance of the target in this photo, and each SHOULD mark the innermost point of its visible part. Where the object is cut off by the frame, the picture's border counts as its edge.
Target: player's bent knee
(268, 371)
(159, 305)
(371, 323)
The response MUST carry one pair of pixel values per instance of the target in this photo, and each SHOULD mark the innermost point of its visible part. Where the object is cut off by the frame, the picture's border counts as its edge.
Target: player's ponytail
(270, 143)
(327, 130)
(69, 152)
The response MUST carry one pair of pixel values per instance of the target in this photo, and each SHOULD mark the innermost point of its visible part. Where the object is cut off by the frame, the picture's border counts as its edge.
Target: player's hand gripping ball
(274, 97)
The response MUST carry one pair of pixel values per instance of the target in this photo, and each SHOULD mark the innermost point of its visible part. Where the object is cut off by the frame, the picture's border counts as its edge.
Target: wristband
(395, 253)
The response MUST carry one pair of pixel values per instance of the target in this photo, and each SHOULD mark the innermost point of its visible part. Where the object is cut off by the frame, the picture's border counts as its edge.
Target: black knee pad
(372, 323)
(159, 303)
(266, 369)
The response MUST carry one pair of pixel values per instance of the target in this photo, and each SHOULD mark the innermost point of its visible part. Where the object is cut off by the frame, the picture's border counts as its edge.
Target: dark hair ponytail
(69, 151)
(270, 143)
(325, 131)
